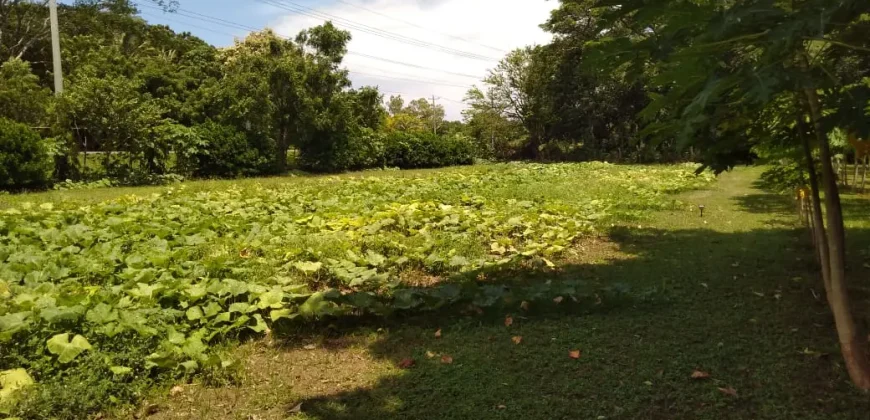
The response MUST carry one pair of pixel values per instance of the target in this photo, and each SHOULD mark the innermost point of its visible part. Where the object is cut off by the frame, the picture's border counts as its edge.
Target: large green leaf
(67, 350)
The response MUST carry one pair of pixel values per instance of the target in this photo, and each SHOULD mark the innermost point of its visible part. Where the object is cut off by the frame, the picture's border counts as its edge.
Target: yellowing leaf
(11, 381)
(308, 267)
(728, 391)
(67, 349)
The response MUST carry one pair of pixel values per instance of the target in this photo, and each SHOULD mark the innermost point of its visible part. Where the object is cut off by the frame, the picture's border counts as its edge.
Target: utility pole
(55, 47)
(434, 121)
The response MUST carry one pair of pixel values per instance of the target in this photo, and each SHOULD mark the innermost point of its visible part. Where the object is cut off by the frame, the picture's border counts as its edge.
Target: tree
(22, 99)
(263, 91)
(487, 124)
(396, 105)
(517, 87)
(721, 67)
(431, 115)
(112, 116)
(23, 24)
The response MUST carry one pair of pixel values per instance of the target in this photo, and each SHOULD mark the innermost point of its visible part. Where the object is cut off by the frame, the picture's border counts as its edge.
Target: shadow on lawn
(745, 307)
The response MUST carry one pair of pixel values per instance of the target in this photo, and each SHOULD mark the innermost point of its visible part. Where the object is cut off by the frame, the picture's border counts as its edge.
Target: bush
(228, 153)
(24, 157)
(426, 150)
(21, 97)
(784, 176)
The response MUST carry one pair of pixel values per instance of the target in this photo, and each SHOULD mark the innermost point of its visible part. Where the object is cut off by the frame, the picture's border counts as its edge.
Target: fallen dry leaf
(438, 333)
(309, 347)
(558, 299)
(177, 389)
(517, 339)
(406, 363)
(296, 409)
(700, 374)
(245, 253)
(429, 354)
(574, 354)
(501, 406)
(447, 360)
(728, 391)
(524, 305)
(508, 321)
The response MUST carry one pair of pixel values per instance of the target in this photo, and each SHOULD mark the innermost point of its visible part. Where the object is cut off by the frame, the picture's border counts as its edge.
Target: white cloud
(492, 27)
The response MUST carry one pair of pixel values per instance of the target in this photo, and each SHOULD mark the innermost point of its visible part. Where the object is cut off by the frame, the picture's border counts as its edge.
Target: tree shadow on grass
(745, 307)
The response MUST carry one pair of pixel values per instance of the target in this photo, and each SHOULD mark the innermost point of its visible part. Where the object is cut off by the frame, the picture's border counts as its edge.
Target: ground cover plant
(171, 274)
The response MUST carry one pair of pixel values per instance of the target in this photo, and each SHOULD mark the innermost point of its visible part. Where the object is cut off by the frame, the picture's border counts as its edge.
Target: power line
(339, 21)
(186, 23)
(235, 25)
(410, 77)
(421, 27)
(413, 96)
(401, 63)
(379, 76)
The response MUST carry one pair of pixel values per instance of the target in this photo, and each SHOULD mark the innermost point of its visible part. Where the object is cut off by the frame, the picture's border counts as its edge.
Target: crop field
(177, 271)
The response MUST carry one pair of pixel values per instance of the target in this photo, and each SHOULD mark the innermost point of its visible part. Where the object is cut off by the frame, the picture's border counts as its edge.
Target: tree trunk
(864, 173)
(283, 146)
(818, 225)
(852, 343)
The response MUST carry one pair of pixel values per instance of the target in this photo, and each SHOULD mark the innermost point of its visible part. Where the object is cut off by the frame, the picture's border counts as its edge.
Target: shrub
(784, 177)
(426, 150)
(24, 157)
(226, 152)
(21, 97)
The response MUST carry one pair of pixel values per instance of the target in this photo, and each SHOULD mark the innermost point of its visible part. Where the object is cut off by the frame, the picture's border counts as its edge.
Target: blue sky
(416, 48)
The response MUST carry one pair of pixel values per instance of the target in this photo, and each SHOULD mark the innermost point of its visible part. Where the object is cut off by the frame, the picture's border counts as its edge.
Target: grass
(170, 277)
(734, 294)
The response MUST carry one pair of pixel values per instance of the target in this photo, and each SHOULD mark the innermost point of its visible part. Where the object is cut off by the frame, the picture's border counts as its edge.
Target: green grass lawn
(734, 294)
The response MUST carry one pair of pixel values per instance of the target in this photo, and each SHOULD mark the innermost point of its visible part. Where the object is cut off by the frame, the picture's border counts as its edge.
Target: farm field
(106, 292)
(727, 320)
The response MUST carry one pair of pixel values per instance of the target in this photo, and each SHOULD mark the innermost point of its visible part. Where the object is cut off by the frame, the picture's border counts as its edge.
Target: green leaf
(194, 313)
(67, 350)
(61, 313)
(101, 314)
(271, 299)
(13, 322)
(190, 366)
(282, 313)
(260, 326)
(121, 370)
(317, 305)
(458, 261)
(308, 267)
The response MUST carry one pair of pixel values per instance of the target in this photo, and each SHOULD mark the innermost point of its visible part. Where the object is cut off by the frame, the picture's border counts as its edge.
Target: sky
(415, 48)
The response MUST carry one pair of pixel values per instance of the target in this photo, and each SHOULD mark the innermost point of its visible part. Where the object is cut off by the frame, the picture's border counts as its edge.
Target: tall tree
(720, 66)
(517, 86)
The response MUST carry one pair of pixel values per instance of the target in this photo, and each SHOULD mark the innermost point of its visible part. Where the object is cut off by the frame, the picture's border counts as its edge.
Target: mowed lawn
(733, 294)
